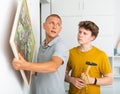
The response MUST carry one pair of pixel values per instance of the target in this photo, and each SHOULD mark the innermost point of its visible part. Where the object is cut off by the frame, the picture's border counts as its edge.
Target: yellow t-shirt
(77, 63)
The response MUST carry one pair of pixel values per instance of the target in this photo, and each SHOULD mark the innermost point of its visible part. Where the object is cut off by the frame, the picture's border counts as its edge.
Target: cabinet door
(83, 7)
(98, 7)
(107, 89)
(105, 24)
(66, 7)
(116, 70)
(44, 1)
(70, 31)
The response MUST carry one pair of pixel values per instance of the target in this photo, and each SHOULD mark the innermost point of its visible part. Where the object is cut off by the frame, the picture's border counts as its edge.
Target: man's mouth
(53, 31)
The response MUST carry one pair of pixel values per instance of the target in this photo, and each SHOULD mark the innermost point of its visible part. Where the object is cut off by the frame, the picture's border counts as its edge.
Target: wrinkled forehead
(53, 17)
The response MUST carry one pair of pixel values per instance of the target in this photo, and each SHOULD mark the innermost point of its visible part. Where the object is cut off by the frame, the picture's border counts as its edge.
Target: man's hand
(19, 64)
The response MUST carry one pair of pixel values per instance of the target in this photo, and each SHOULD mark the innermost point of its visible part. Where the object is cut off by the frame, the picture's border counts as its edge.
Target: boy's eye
(58, 24)
(85, 33)
(80, 32)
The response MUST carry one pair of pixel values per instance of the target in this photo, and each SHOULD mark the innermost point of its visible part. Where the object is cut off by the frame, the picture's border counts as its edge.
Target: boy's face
(85, 36)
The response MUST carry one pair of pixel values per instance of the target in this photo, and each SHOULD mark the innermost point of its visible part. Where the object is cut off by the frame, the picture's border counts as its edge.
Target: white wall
(45, 11)
(117, 17)
(11, 81)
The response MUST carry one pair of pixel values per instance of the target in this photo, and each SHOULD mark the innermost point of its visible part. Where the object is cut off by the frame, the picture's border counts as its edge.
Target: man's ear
(43, 25)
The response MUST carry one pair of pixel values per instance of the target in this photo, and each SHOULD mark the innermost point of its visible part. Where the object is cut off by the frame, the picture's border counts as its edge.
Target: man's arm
(43, 67)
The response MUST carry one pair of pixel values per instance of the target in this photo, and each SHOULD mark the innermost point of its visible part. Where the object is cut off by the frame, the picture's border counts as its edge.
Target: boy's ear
(93, 38)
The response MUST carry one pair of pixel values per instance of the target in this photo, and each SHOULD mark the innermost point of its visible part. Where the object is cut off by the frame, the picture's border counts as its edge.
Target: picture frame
(22, 40)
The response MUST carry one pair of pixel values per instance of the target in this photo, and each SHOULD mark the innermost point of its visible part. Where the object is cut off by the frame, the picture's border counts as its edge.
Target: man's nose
(54, 26)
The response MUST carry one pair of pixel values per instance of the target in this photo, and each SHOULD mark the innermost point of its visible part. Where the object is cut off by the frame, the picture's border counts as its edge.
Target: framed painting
(22, 38)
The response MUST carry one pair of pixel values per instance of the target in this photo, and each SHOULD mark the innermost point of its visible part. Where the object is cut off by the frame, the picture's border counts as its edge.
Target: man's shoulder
(60, 43)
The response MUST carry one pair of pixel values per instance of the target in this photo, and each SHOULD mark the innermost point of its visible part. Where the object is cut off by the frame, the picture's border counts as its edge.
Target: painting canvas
(22, 38)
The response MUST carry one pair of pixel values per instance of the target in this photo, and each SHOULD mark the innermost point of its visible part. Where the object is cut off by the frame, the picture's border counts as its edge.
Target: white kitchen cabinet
(83, 7)
(107, 89)
(98, 7)
(66, 7)
(45, 1)
(116, 66)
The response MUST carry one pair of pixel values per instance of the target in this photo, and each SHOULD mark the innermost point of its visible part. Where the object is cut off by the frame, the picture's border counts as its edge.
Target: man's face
(52, 26)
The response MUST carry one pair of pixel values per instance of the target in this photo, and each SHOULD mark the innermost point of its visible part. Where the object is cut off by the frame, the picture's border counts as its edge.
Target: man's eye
(51, 23)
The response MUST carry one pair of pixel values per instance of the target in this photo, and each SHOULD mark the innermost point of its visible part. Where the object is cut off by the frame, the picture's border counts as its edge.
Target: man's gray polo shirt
(51, 83)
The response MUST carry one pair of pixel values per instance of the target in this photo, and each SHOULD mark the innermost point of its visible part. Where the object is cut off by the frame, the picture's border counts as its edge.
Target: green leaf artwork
(22, 37)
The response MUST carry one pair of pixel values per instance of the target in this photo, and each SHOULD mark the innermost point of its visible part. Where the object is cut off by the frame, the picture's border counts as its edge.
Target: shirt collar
(55, 40)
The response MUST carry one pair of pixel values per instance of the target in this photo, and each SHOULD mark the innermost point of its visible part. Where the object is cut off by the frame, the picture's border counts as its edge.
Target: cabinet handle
(83, 6)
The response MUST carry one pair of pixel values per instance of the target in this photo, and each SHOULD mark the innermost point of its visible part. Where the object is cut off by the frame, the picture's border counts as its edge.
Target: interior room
(105, 13)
